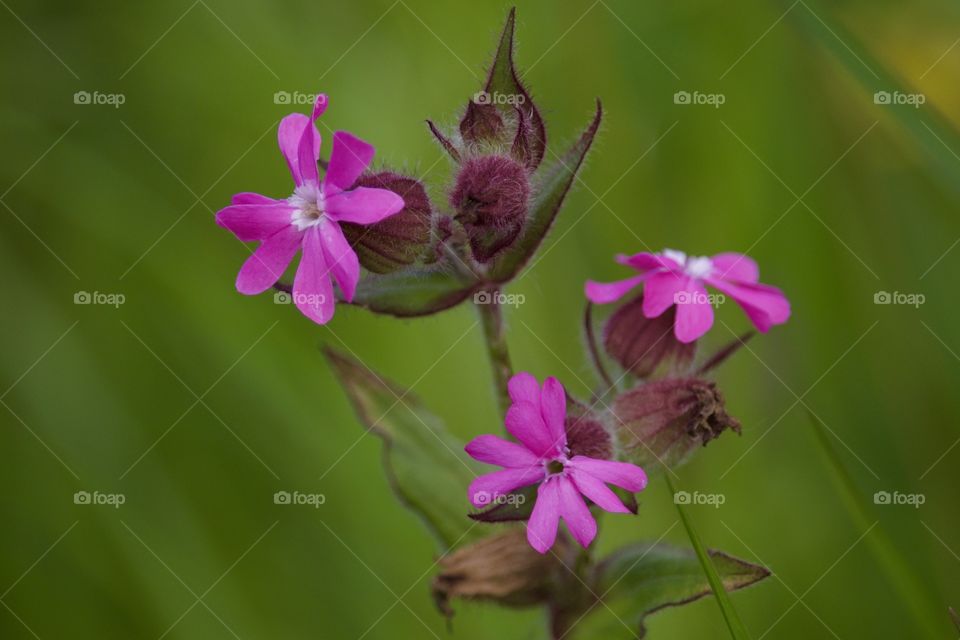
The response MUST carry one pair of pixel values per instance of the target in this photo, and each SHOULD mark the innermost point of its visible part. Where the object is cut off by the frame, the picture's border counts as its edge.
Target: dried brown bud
(502, 568)
(641, 345)
(666, 420)
(490, 197)
(399, 240)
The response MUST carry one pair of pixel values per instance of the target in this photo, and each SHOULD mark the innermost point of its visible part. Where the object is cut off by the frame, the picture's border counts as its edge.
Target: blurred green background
(197, 403)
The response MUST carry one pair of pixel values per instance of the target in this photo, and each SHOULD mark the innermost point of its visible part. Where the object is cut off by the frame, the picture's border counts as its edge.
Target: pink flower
(536, 418)
(672, 277)
(309, 219)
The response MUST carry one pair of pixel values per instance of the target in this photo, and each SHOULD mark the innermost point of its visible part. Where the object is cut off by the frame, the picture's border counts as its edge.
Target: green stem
(493, 332)
(737, 630)
(592, 346)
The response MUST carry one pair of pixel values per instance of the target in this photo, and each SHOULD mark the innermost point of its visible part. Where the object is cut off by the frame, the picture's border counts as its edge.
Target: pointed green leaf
(641, 579)
(426, 467)
(414, 291)
(507, 93)
(550, 190)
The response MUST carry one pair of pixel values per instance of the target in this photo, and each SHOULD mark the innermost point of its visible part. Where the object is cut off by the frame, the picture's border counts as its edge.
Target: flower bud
(586, 435)
(481, 123)
(490, 197)
(399, 240)
(502, 568)
(640, 344)
(666, 420)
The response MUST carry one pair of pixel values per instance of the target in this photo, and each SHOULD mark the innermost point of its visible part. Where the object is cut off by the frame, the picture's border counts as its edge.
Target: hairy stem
(493, 332)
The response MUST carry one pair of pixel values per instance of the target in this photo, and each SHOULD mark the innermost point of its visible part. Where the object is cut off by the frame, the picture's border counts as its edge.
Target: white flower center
(693, 266)
(308, 202)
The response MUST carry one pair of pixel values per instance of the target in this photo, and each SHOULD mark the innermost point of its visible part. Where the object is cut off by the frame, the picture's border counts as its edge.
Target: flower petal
(363, 205)
(248, 197)
(524, 422)
(575, 513)
(735, 266)
(349, 158)
(251, 222)
(523, 387)
(694, 313)
(289, 135)
(485, 489)
(597, 491)
(660, 292)
(268, 262)
(553, 408)
(312, 291)
(495, 450)
(763, 304)
(648, 261)
(622, 474)
(605, 292)
(545, 518)
(308, 149)
(340, 257)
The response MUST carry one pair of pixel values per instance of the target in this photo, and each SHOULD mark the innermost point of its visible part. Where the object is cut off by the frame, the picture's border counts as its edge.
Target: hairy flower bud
(502, 568)
(481, 123)
(586, 435)
(490, 197)
(666, 420)
(399, 240)
(640, 344)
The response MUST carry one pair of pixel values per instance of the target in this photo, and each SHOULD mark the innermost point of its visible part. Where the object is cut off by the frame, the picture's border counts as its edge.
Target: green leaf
(502, 81)
(901, 576)
(415, 291)
(550, 190)
(426, 467)
(927, 125)
(717, 584)
(643, 578)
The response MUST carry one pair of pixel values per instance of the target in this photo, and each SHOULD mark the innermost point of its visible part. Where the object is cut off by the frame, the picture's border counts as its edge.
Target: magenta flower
(672, 277)
(536, 418)
(309, 219)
